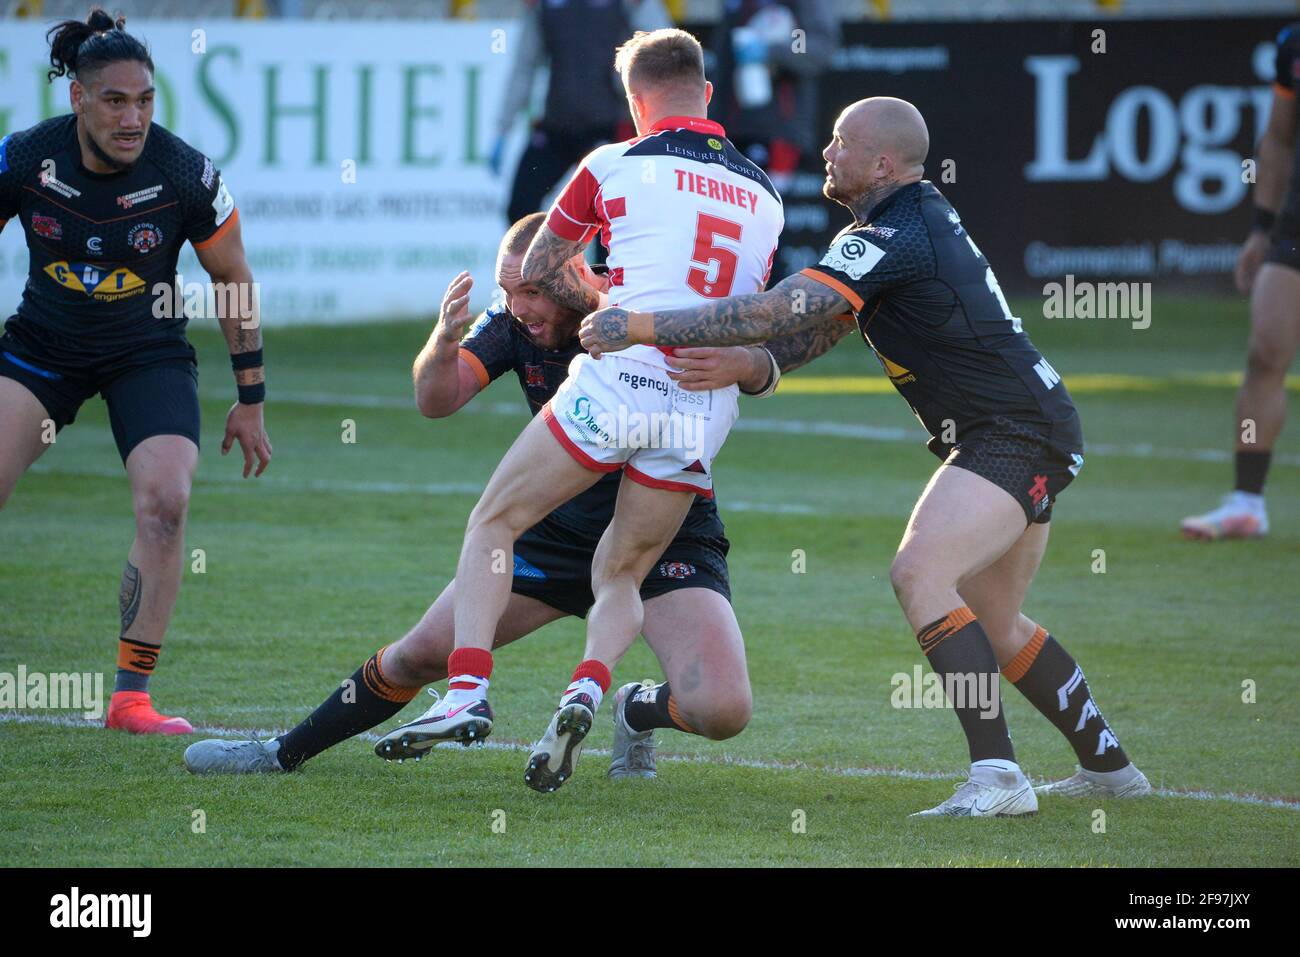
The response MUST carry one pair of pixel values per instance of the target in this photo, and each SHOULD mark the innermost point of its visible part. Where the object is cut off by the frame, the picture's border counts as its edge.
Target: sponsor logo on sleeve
(222, 204)
(853, 256)
(209, 173)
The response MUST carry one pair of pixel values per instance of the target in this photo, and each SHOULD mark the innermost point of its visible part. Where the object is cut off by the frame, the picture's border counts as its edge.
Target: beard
(114, 164)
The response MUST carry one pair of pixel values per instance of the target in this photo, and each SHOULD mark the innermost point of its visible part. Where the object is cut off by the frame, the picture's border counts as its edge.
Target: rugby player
(689, 621)
(1268, 268)
(928, 305)
(685, 216)
(106, 199)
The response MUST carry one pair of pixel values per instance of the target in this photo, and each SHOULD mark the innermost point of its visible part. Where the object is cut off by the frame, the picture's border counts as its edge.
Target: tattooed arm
(547, 265)
(800, 348)
(793, 304)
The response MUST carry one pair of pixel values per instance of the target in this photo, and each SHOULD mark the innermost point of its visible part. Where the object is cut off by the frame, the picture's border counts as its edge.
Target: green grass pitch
(340, 547)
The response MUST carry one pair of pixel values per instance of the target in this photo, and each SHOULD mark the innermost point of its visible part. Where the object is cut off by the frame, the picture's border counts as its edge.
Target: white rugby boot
(554, 757)
(449, 719)
(989, 792)
(1242, 515)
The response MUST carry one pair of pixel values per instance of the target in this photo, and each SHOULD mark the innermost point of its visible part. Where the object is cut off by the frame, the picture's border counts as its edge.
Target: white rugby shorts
(619, 413)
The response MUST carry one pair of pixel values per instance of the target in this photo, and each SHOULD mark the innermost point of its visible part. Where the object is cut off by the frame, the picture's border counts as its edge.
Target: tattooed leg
(161, 469)
(136, 659)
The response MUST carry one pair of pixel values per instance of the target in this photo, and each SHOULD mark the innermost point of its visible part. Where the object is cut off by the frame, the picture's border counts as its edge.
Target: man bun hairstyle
(78, 48)
(664, 58)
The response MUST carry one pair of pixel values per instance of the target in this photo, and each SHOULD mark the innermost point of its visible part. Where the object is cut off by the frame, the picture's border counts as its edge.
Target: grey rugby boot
(1127, 782)
(634, 751)
(224, 756)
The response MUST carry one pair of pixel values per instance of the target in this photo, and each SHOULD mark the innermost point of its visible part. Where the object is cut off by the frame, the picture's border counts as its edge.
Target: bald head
(891, 126)
(878, 144)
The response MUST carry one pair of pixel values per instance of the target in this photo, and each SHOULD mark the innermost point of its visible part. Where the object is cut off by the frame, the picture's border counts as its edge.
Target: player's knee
(1264, 362)
(496, 514)
(160, 510)
(907, 574)
(726, 715)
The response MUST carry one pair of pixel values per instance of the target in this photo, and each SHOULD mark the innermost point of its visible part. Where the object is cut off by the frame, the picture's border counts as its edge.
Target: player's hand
(716, 367)
(244, 423)
(605, 331)
(454, 315)
(1249, 260)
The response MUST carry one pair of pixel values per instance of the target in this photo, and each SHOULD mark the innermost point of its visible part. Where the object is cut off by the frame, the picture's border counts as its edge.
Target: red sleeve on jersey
(574, 216)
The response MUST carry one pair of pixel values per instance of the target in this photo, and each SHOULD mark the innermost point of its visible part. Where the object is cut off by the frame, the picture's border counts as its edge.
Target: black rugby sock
(959, 652)
(1252, 470)
(653, 707)
(357, 705)
(1052, 680)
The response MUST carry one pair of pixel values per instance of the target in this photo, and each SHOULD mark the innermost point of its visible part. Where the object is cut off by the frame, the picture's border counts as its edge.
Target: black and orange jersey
(1285, 84)
(928, 305)
(103, 247)
(498, 343)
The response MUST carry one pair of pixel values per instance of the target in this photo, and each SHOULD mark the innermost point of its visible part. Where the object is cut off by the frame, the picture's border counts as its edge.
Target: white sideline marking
(68, 721)
(843, 430)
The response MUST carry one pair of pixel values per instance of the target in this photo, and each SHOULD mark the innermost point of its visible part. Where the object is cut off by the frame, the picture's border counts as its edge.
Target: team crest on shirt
(678, 570)
(144, 237)
(46, 226)
(853, 256)
(534, 376)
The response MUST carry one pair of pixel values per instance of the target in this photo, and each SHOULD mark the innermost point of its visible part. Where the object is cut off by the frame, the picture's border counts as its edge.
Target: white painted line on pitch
(68, 721)
(840, 430)
(382, 488)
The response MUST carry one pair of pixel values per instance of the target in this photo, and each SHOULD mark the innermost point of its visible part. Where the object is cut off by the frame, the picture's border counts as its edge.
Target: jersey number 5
(707, 253)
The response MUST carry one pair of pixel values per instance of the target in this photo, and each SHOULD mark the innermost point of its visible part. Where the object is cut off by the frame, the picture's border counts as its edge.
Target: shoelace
(641, 753)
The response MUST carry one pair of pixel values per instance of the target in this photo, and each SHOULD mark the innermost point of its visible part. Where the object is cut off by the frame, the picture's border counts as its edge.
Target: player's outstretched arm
(444, 381)
(241, 323)
(802, 347)
(548, 265)
(791, 305)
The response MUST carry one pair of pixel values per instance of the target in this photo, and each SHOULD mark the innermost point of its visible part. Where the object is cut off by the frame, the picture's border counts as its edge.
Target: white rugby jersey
(686, 218)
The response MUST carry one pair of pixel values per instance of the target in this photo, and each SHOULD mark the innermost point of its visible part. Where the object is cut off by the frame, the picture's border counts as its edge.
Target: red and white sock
(468, 671)
(591, 678)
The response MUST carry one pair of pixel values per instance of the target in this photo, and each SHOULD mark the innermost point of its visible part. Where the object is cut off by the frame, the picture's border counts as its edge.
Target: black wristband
(1264, 220)
(252, 394)
(246, 360)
